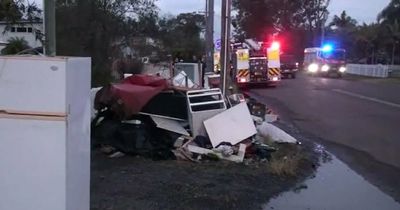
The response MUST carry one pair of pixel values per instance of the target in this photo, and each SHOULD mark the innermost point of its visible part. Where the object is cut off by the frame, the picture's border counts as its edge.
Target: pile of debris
(149, 116)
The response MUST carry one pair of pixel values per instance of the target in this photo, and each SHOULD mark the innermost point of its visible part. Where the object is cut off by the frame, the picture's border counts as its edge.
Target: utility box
(45, 133)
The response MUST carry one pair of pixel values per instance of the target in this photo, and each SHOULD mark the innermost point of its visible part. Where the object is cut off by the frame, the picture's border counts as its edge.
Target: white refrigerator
(44, 133)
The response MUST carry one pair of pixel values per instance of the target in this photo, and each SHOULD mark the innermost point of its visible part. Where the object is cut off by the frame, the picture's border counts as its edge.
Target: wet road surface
(335, 187)
(356, 120)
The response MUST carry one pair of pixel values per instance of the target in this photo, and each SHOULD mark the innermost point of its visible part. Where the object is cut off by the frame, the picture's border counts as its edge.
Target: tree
(180, 35)
(15, 45)
(343, 21)
(97, 28)
(254, 19)
(12, 11)
(390, 13)
(316, 13)
(367, 41)
(341, 31)
(394, 32)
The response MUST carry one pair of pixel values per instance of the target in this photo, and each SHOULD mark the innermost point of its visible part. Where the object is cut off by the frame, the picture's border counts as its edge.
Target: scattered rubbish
(183, 155)
(179, 142)
(213, 81)
(257, 109)
(236, 99)
(234, 158)
(130, 96)
(257, 120)
(275, 133)
(202, 141)
(233, 125)
(271, 118)
(225, 150)
(168, 104)
(116, 155)
(182, 80)
(169, 125)
(145, 116)
(203, 104)
(93, 93)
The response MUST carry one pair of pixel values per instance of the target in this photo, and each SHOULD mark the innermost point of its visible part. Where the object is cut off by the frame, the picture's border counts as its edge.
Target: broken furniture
(233, 126)
(202, 105)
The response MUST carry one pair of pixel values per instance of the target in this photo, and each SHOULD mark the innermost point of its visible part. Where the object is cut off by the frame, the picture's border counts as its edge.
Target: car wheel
(293, 76)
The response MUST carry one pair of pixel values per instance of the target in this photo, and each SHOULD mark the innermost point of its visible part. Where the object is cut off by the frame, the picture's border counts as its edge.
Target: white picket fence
(394, 71)
(381, 71)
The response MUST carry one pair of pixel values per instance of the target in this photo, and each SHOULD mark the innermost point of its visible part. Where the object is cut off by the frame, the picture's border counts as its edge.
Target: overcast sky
(361, 10)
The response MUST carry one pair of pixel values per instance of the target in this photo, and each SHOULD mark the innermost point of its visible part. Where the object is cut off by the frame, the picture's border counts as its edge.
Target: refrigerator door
(33, 85)
(32, 164)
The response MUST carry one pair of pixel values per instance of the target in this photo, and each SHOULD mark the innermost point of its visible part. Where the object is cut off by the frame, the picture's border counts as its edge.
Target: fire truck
(325, 61)
(255, 63)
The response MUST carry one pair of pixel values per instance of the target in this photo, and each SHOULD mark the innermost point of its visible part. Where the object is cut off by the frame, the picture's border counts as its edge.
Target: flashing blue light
(327, 48)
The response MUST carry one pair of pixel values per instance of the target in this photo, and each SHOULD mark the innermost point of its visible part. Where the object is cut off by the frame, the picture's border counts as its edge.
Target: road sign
(218, 44)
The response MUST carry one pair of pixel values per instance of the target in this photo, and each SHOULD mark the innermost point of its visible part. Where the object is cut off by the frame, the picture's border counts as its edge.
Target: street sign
(218, 44)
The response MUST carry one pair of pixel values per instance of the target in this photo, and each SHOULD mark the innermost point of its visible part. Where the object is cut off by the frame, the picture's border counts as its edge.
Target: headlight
(342, 69)
(313, 67)
(325, 68)
(275, 79)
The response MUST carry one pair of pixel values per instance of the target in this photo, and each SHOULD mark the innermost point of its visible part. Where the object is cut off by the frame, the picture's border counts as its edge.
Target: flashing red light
(275, 45)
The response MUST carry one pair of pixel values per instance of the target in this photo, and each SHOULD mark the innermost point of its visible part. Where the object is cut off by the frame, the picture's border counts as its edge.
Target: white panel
(32, 84)
(233, 126)
(78, 133)
(32, 165)
(243, 59)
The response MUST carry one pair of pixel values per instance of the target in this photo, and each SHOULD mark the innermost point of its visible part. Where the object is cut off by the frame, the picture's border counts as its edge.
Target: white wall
(30, 37)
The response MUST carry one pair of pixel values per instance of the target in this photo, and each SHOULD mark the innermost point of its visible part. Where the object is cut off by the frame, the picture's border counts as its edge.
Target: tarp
(131, 95)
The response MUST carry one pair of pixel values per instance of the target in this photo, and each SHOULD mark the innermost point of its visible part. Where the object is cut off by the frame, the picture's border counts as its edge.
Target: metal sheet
(170, 125)
(233, 125)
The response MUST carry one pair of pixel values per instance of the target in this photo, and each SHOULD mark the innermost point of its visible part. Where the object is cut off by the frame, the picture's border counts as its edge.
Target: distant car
(289, 66)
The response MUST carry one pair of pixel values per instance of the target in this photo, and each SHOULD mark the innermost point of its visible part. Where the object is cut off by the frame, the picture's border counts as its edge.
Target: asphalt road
(357, 120)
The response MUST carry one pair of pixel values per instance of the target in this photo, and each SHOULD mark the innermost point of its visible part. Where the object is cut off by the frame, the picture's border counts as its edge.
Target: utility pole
(225, 44)
(50, 27)
(209, 35)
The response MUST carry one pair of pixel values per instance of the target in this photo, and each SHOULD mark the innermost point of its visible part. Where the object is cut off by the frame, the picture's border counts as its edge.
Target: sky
(361, 10)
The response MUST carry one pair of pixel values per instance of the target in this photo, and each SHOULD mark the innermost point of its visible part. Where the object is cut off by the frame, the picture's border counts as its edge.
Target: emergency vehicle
(325, 61)
(255, 64)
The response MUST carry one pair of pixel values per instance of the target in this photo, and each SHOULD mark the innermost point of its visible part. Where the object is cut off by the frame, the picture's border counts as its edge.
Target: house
(29, 30)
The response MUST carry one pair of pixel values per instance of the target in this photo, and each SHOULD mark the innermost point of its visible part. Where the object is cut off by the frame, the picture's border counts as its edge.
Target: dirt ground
(137, 183)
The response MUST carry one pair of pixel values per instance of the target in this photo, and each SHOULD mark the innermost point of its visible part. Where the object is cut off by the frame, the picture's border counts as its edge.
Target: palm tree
(15, 45)
(394, 31)
(367, 37)
(391, 12)
(343, 21)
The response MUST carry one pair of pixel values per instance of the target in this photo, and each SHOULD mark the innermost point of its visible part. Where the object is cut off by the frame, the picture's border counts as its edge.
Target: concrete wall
(30, 37)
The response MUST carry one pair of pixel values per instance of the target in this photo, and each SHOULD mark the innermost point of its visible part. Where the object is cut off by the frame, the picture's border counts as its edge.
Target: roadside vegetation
(120, 33)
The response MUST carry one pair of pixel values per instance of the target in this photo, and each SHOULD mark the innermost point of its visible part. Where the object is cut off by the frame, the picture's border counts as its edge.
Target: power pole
(50, 27)
(225, 44)
(209, 35)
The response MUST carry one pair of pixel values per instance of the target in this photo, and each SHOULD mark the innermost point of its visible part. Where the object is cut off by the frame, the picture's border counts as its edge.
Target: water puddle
(335, 187)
